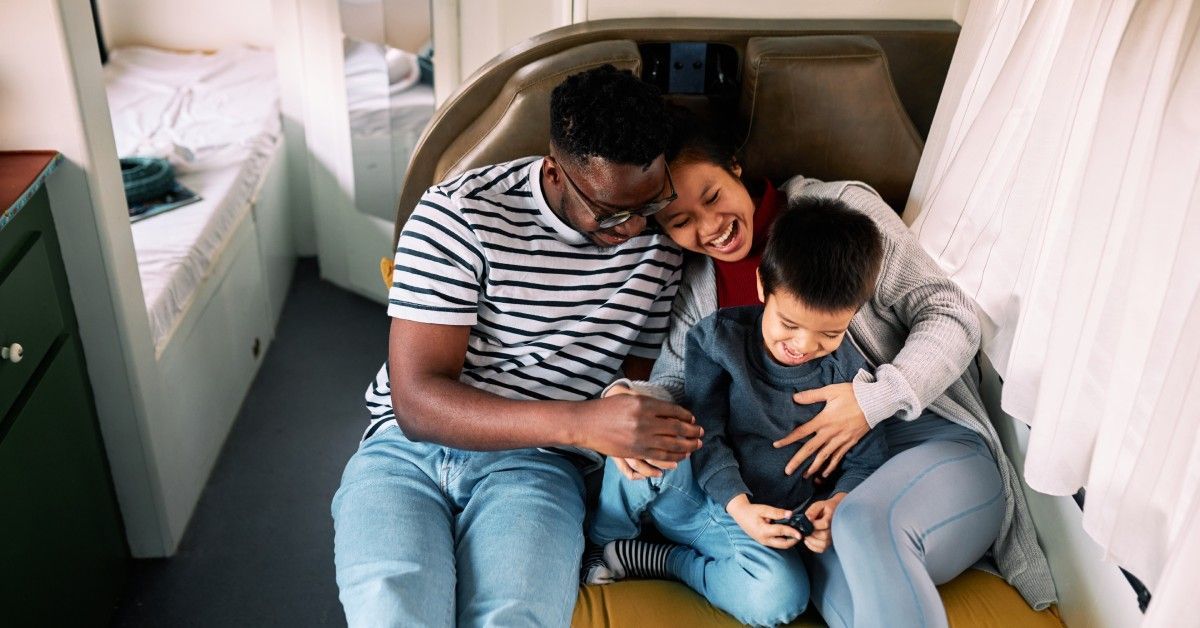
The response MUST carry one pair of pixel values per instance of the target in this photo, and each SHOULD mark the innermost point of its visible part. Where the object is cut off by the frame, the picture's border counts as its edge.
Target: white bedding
(216, 118)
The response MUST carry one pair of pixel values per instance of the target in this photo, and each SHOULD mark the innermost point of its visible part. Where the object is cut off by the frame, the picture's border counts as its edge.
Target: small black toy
(799, 521)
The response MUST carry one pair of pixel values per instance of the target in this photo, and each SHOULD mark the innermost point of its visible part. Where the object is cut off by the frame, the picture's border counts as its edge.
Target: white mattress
(216, 118)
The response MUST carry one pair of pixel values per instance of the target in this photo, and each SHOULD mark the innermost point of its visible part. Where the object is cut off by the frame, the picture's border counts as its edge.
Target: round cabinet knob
(13, 353)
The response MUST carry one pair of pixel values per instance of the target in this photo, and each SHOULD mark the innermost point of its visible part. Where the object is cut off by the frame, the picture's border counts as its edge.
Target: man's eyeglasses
(621, 217)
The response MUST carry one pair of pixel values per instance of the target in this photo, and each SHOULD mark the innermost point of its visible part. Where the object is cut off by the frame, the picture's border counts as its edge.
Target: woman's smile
(728, 240)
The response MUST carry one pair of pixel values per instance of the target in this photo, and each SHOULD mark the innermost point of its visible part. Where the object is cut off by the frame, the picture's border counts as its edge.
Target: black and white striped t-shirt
(552, 315)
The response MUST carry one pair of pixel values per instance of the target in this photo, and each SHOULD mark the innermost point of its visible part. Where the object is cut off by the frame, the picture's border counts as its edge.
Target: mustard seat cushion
(975, 599)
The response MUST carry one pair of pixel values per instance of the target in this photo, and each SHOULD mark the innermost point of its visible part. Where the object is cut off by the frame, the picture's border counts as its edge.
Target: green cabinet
(63, 555)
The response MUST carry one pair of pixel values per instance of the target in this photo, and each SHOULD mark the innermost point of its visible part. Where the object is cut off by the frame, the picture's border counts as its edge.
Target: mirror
(389, 94)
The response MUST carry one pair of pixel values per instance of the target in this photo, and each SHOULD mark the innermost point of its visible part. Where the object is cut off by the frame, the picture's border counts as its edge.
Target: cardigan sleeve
(943, 327)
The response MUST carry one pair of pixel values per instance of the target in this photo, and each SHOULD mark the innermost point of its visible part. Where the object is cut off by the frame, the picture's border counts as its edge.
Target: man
(520, 290)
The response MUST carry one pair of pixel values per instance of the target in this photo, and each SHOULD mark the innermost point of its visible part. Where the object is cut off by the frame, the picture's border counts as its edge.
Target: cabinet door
(63, 557)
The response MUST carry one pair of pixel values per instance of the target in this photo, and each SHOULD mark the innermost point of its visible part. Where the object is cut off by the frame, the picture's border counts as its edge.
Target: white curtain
(1059, 187)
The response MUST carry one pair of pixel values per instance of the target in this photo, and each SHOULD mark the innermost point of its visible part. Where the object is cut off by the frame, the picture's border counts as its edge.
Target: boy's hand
(835, 430)
(756, 520)
(821, 515)
(631, 426)
(638, 468)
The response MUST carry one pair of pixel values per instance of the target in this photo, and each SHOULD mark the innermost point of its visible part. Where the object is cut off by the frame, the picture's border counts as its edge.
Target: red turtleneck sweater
(736, 284)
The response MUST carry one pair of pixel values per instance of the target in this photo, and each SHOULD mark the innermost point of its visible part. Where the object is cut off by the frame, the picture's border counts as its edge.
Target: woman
(947, 492)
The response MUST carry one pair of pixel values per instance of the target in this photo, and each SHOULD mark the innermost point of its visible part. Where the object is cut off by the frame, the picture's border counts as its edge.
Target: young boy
(731, 508)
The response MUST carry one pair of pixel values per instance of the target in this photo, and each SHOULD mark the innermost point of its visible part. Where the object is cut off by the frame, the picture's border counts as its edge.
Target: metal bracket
(686, 71)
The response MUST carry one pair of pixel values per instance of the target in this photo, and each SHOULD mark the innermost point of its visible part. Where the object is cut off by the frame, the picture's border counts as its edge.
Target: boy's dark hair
(609, 113)
(823, 253)
(696, 142)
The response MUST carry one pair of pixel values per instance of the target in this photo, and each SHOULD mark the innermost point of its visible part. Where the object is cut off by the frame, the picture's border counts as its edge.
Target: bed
(215, 117)
(214, 273)
(388, 109)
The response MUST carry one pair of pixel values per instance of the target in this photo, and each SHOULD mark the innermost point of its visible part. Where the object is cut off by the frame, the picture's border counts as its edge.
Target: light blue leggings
(930, 512)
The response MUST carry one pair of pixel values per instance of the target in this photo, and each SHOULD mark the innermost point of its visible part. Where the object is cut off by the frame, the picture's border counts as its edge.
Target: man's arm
(431, 404)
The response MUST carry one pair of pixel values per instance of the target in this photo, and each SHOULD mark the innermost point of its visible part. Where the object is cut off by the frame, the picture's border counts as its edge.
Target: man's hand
(632, 426)
(836, 429)
(756, 520)
(821, 515)
(636, 468)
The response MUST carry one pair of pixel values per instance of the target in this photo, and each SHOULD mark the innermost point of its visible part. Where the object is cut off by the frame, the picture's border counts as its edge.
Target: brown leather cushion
(973, 600)
(517, 123)
(825, 107)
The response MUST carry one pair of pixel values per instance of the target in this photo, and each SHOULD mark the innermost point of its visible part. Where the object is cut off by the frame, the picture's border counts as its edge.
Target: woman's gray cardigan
(921, 333)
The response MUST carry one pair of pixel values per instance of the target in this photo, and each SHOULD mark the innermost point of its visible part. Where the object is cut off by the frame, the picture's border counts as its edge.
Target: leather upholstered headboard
(832, 99)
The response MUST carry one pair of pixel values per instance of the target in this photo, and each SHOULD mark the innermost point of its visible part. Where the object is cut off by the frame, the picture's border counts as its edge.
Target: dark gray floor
(259, 549)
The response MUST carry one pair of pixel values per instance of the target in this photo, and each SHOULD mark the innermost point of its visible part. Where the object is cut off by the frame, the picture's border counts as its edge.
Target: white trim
(446, 49)
(274, 220)
(289, 59)
(88, 203)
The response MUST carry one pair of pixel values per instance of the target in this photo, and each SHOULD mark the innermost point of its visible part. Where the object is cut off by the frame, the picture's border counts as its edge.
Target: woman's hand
(837, 428)
(756, 520)
(635, 468)
(821, 515)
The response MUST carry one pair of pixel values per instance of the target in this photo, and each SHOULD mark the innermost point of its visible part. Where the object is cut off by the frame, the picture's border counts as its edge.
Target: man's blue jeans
(756, 584)
(432, 536)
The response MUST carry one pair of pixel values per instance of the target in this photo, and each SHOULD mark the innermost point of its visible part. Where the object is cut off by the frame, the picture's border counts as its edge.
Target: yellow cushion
(385, 268)
(974, 599)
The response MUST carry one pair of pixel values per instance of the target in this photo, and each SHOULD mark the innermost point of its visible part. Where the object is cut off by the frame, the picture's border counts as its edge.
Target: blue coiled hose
(146, 178)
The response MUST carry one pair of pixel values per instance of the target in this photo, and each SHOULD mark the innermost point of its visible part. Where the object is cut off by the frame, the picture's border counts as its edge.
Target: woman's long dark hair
(696, 141)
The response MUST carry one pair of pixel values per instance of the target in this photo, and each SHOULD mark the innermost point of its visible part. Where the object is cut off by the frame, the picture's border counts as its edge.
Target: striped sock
(637, 559)
(594, 571)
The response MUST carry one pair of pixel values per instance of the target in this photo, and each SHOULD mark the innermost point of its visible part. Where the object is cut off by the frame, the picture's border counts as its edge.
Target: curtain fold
(1059, 188)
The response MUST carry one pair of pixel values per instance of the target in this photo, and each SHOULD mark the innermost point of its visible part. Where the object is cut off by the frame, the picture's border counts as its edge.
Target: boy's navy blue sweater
(742, 398)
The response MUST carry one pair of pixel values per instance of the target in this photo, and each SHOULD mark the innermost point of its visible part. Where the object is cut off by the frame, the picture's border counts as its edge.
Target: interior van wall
(186, 24)
(405, 25)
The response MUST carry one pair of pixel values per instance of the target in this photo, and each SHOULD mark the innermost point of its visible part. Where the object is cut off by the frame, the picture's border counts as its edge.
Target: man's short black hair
(824, 254)
(611, 114)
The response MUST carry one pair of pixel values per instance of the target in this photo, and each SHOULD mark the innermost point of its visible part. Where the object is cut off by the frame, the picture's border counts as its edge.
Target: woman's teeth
(723, 240)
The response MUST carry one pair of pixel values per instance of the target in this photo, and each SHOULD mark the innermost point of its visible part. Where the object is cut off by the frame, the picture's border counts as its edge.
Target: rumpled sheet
(216, 118)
